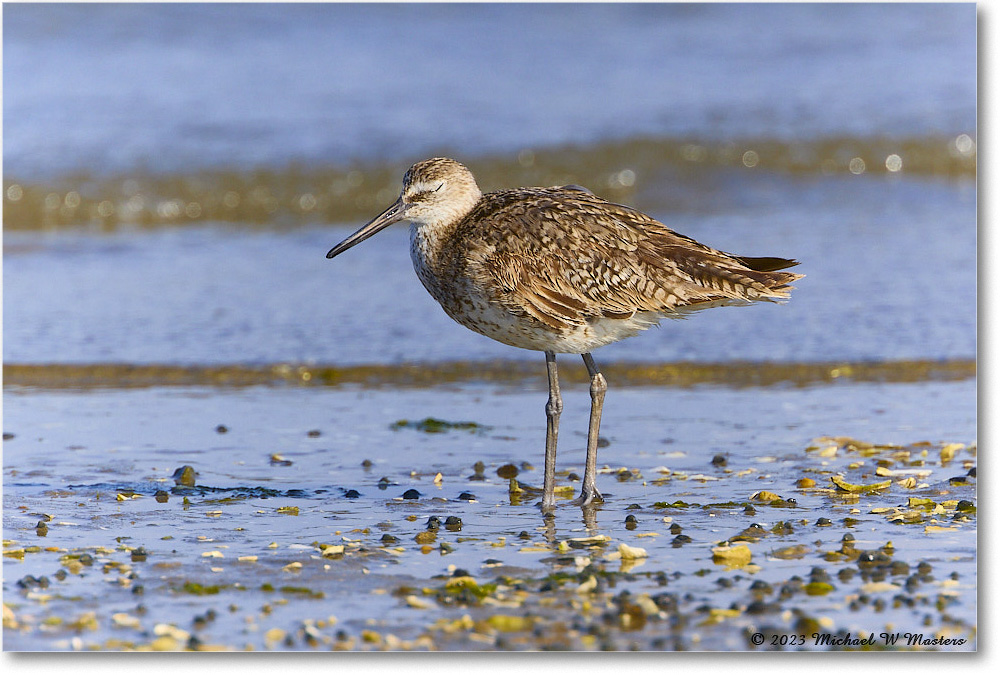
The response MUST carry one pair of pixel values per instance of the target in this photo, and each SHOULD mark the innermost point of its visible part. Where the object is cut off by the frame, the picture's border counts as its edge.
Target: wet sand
(301, 531)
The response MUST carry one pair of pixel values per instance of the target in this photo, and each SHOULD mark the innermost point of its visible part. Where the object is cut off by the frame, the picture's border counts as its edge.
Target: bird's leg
(553, 408)
(598, 385)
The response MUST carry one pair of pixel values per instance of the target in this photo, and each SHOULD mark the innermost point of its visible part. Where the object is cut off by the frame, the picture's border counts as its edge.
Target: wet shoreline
(66, 376)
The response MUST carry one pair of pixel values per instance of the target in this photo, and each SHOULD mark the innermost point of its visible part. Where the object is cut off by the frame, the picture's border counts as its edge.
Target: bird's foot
(547, 507)
(589, 497)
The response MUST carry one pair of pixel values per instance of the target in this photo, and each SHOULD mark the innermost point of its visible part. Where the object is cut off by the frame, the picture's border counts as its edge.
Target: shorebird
(561, 271)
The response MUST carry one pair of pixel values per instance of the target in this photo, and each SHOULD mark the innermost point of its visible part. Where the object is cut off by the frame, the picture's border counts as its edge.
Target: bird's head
(436, 192)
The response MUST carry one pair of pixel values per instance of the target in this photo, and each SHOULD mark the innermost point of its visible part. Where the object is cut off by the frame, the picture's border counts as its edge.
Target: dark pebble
(383, 483)
(60, 574)
(411, 494)
(527, 466)
(847, 537)
(221, 429)
(761, 586)
(750, 510)
(7, 435)
(138, 589)
(899, 567)
(367, 464)
(86, 559)
(959, 480)
(680, 540)
(161, 496)
(351, 494)
(824, 522)
(846, 574)
(573, 477)
(603, 442)
(314, 433)
(479, 467)
(724, 582)
(459, 572)
(388, 539)
(453, 523)
(41, 529)
(819, 574)
(964, 505)
(675, 528)
(433, 523)
(970, 474)
(790, 588)
(631, 522)
(524, 535)
(507, 471)
(27, 581)
(719, 460)
(633, 507)
(139, 554)
(924, 568)
(467, 497)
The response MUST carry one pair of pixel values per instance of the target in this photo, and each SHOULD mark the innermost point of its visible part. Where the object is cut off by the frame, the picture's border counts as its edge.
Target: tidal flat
(356, 518)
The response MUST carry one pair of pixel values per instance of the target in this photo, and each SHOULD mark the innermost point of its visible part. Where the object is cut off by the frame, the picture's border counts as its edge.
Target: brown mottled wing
(567, 256)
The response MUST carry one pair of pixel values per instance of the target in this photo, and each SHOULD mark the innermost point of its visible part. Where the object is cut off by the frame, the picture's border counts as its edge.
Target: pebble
(507, 471)
(631, 522)
(352, 494)
(314, 433)
(411, 494)
(467, 497)
(719, 460)
(453, 524)
(221, 429)
(185, 475)
(161, 496)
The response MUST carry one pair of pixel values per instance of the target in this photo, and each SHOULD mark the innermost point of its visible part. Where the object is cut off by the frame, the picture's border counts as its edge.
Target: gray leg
(598, 385)
(552, 411)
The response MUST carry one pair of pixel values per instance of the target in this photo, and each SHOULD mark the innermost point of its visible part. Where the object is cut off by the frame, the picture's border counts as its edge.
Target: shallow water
(73, 452)
(890, 267)
(175, 87)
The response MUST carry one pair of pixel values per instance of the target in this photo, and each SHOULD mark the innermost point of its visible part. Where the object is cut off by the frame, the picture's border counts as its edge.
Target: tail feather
(766, 264)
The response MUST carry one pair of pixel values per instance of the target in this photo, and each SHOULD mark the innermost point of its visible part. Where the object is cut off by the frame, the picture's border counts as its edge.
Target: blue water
(890, 259)
(104, 88)
(890, 274)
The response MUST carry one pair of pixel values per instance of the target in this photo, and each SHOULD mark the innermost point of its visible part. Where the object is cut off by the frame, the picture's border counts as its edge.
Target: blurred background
(174, 174)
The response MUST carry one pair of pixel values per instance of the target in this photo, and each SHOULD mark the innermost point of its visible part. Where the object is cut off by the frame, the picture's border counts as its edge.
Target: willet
(561, 271)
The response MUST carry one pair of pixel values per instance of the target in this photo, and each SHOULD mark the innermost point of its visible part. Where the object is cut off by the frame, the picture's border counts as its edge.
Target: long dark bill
(393, 214)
